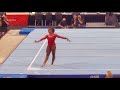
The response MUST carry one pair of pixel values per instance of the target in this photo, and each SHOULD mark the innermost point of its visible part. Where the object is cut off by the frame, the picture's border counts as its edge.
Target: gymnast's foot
(43, 65)
(52, 65)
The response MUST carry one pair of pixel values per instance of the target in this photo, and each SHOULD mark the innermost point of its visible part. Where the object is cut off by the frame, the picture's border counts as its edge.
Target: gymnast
(51, 44)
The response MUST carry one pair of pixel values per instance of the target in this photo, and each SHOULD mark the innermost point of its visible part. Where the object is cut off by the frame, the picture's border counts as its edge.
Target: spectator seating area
(90, 19)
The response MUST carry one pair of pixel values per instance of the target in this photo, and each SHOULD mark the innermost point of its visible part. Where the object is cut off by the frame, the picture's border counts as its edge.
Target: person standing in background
(3, 26)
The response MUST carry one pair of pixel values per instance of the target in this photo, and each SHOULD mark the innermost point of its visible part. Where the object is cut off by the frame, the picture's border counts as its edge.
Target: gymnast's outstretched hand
(36, 41)
(68, 39)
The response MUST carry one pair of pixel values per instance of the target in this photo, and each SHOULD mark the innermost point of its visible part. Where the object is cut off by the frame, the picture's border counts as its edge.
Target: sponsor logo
(94, 76)
(11, 20)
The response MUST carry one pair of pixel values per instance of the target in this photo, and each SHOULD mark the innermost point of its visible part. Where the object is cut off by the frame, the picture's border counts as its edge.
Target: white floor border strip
(36, 55)
(70, 69)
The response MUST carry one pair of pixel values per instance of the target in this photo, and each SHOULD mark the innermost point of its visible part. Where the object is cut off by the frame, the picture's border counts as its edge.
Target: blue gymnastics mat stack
(26, 31)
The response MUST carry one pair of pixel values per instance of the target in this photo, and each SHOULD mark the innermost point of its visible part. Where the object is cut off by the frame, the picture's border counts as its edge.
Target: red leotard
(51, 39)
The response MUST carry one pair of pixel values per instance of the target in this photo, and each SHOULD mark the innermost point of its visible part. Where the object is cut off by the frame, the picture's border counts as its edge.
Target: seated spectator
(110, 19)
(78, 21)
(81, 20)
(75, 22)
(63, 24)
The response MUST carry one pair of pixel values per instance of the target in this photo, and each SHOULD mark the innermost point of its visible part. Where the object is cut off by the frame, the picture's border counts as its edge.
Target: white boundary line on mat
(36, 55)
